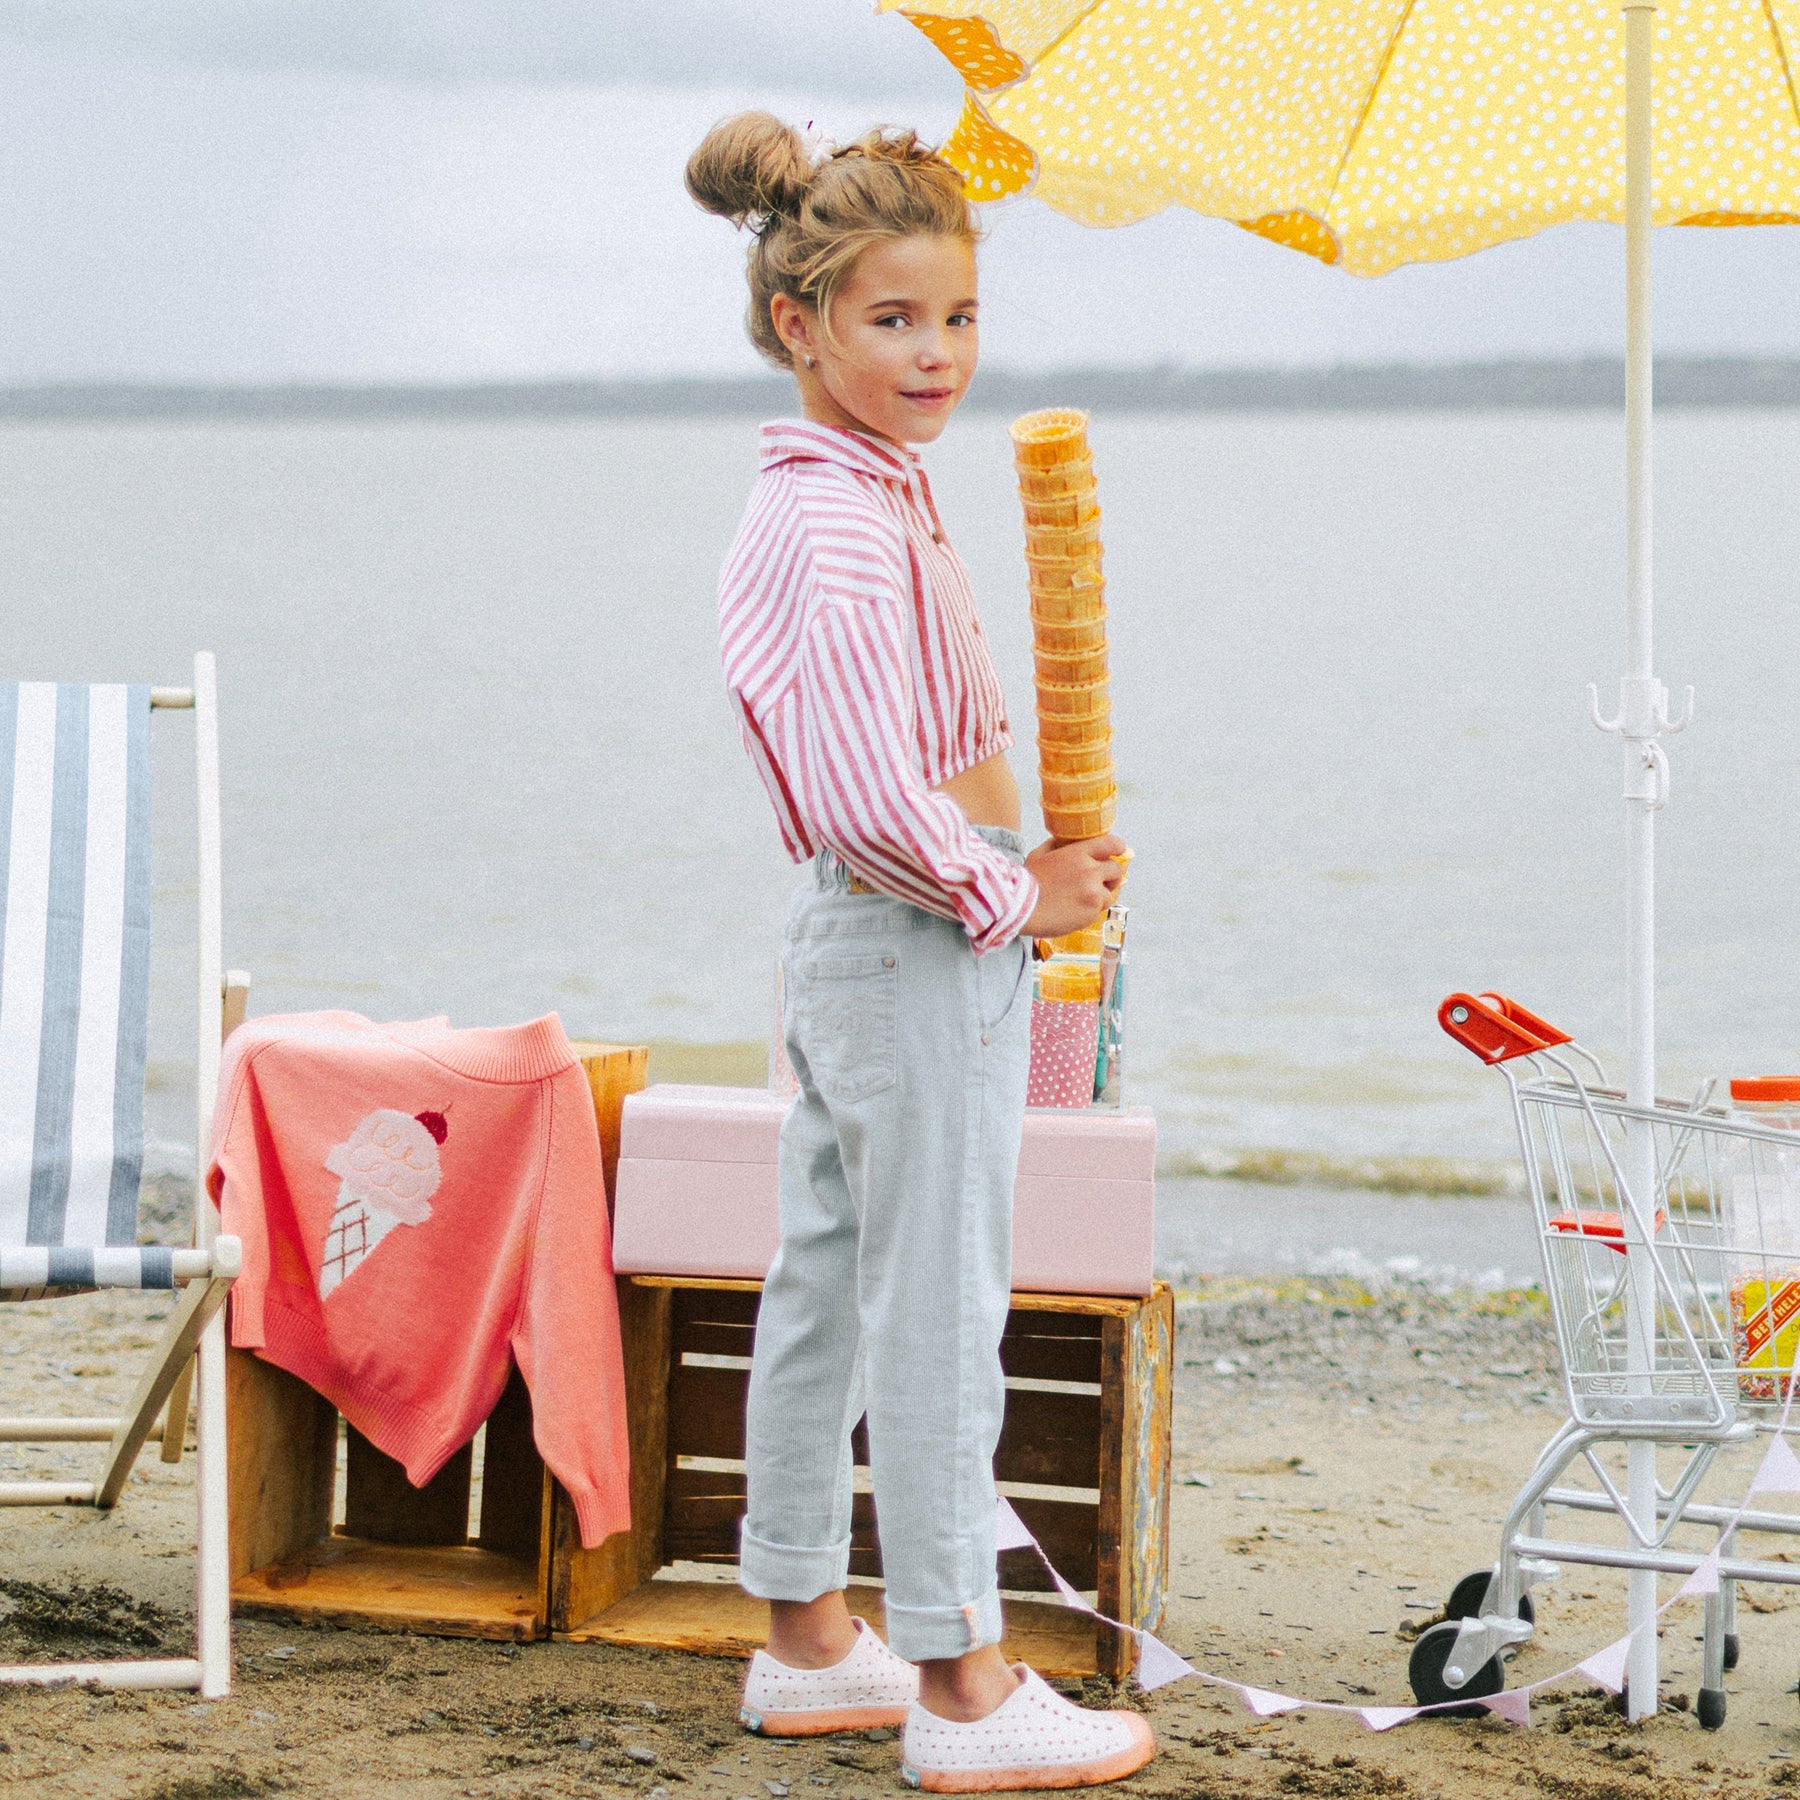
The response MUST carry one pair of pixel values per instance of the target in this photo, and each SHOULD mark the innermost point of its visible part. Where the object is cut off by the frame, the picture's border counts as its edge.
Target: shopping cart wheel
(1710, 1708)
(1731, 1649)
(1426, 1673)
(1466, 1598)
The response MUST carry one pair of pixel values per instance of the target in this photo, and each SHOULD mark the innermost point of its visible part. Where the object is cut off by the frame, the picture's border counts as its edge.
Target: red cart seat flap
(1609, 1227)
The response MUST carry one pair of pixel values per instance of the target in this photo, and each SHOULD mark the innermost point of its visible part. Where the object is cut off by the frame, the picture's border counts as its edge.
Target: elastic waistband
(832, 875)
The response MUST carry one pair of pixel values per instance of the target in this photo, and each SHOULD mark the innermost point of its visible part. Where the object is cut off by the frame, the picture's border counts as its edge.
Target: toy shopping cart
(1670, 1239)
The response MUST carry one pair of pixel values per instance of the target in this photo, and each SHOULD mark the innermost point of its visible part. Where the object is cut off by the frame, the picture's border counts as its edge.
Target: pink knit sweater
(420, 1208)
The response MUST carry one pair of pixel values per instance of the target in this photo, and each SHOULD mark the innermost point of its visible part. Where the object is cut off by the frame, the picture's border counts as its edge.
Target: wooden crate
(401, 1557)
(1084, 1457)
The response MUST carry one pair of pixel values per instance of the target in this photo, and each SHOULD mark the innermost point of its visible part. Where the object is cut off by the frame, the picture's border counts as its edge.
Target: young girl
(870, 708)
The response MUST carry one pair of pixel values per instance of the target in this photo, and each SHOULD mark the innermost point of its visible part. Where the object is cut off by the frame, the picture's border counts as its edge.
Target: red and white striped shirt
(861, 674)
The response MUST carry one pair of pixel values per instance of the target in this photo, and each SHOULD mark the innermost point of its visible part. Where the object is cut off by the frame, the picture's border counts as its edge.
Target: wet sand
(1341, 1458)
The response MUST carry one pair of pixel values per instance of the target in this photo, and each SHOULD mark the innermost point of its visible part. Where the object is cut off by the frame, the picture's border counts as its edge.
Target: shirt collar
(802, 440)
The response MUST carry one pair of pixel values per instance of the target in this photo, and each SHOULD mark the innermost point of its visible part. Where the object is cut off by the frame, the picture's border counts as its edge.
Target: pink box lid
(726, 1124)
(675, 1122)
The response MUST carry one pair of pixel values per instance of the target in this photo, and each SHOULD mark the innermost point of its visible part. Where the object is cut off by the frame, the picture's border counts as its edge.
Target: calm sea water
(477, 758)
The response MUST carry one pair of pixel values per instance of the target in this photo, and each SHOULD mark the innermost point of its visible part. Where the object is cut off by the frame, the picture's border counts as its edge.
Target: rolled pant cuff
(787, 1572)
(928, 1633)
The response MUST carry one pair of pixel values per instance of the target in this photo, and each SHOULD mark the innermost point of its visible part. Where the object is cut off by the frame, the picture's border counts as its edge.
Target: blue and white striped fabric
(74, 961)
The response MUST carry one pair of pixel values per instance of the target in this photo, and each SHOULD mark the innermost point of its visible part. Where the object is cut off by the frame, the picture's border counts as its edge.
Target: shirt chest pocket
(843, 1023)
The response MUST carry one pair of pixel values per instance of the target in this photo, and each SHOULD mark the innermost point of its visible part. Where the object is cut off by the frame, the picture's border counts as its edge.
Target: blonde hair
(812, 220)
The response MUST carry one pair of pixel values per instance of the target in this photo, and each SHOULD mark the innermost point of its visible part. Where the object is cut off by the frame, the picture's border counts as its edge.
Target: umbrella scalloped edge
(994, 165)
(973, 49)
(1297, 230)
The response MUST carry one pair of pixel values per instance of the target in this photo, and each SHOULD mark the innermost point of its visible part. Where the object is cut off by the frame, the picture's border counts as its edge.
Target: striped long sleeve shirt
(861, 674)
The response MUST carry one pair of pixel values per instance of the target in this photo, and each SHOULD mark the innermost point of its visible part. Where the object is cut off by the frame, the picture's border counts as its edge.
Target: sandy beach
(1342, 1456)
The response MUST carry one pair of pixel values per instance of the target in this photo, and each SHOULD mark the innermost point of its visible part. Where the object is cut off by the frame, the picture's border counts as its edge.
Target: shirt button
(985, 1038)
(887, 962)
(937, 537)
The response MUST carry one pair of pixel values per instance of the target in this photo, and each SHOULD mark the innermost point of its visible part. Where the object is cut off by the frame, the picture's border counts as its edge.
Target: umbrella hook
(1647, 704)
(1602, 724)
(1675, 726)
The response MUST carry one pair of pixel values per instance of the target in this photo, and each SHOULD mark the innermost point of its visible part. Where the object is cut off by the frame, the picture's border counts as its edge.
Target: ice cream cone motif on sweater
(387, 1171)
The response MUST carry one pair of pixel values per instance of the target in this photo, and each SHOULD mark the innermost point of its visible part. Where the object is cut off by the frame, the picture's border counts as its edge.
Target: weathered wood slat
(1052, 1439)
(382, 1506)
(439, 1591)
(1052, 1358)
(706, 1411)
(1069, 1533)
(719, 1619)
(512, 1476)
(281, 1441)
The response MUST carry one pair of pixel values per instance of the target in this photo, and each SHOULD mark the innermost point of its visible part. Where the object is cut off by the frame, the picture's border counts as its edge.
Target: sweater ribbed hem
(419, 1441)
(529, 1052)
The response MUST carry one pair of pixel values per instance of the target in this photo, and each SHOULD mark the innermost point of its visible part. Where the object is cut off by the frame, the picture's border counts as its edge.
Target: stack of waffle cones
(1068, 623)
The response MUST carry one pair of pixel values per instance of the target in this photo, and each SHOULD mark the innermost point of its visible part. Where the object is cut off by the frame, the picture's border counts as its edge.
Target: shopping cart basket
(1670, 1241)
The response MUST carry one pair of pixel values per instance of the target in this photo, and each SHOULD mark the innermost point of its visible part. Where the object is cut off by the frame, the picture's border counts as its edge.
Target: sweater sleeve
(234, 1180)
(567, 1342)
(861, 785)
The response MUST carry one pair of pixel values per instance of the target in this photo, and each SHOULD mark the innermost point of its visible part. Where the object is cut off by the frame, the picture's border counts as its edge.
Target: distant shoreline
(1588, 384)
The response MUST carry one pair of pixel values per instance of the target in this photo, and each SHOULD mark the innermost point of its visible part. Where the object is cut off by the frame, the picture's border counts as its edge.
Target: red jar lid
(1766, 1088)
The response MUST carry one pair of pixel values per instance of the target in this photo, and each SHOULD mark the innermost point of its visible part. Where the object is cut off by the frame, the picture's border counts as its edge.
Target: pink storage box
(696, 1191)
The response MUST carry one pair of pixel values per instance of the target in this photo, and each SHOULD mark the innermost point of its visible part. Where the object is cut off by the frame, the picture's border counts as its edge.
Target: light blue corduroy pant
(890, 1290)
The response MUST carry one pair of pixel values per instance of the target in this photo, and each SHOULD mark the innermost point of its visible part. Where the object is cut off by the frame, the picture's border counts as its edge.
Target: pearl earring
(812, 362)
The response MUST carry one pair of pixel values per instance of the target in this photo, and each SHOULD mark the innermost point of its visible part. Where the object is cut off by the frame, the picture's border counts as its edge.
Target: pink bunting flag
(1513, 1704)
(1266, 1705)
(1010, 1531)
(1157, 1664)
(1705, 1579)
(1070, 1596)
(1606, 1668)
(1385, 1718)
(1780, 1471)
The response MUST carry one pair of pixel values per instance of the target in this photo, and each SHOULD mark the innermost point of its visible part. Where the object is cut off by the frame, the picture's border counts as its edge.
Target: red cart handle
(1497, 1029)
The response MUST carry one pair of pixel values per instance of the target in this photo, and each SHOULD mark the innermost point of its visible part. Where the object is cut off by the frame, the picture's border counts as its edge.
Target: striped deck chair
(74, 1002)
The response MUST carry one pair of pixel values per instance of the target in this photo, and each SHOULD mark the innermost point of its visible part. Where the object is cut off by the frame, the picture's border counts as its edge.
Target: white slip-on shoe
(1033, 1739)
(871, 1686)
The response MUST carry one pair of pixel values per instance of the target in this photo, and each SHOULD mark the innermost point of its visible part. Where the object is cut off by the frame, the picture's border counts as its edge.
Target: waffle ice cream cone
(1075, 759)
(1070, 480)
(1058, 731)
(1075, 793)
(1053, 573)
(1071, 606)
(1050, 438)
(1066, 543)
(1084, 700)
(1062, 512)
(1083, 822)
(1069, 638)
(1057, 670)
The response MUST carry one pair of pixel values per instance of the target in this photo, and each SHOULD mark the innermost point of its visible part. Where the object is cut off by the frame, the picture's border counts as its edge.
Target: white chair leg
(213, 1550)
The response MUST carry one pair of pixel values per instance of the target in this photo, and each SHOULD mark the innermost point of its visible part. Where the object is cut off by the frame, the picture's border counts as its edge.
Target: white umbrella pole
(1642, 715)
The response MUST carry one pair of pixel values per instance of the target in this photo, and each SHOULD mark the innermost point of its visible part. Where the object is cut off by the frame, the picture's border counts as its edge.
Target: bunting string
(1158, 1665)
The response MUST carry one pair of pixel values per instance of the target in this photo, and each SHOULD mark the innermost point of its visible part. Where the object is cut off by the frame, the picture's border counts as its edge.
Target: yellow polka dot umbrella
(1371, 133)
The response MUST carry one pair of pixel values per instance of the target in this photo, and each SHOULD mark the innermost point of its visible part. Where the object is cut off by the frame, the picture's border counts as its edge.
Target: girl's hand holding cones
(1076, 883)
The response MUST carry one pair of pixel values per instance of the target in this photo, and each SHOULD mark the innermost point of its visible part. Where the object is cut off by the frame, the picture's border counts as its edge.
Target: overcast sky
(469, 189)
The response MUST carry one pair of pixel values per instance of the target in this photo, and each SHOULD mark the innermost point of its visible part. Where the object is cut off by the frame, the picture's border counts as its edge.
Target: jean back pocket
(843, 1013)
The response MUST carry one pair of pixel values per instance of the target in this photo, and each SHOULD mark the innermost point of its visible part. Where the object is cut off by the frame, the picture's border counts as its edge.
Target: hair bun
(750, 167)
